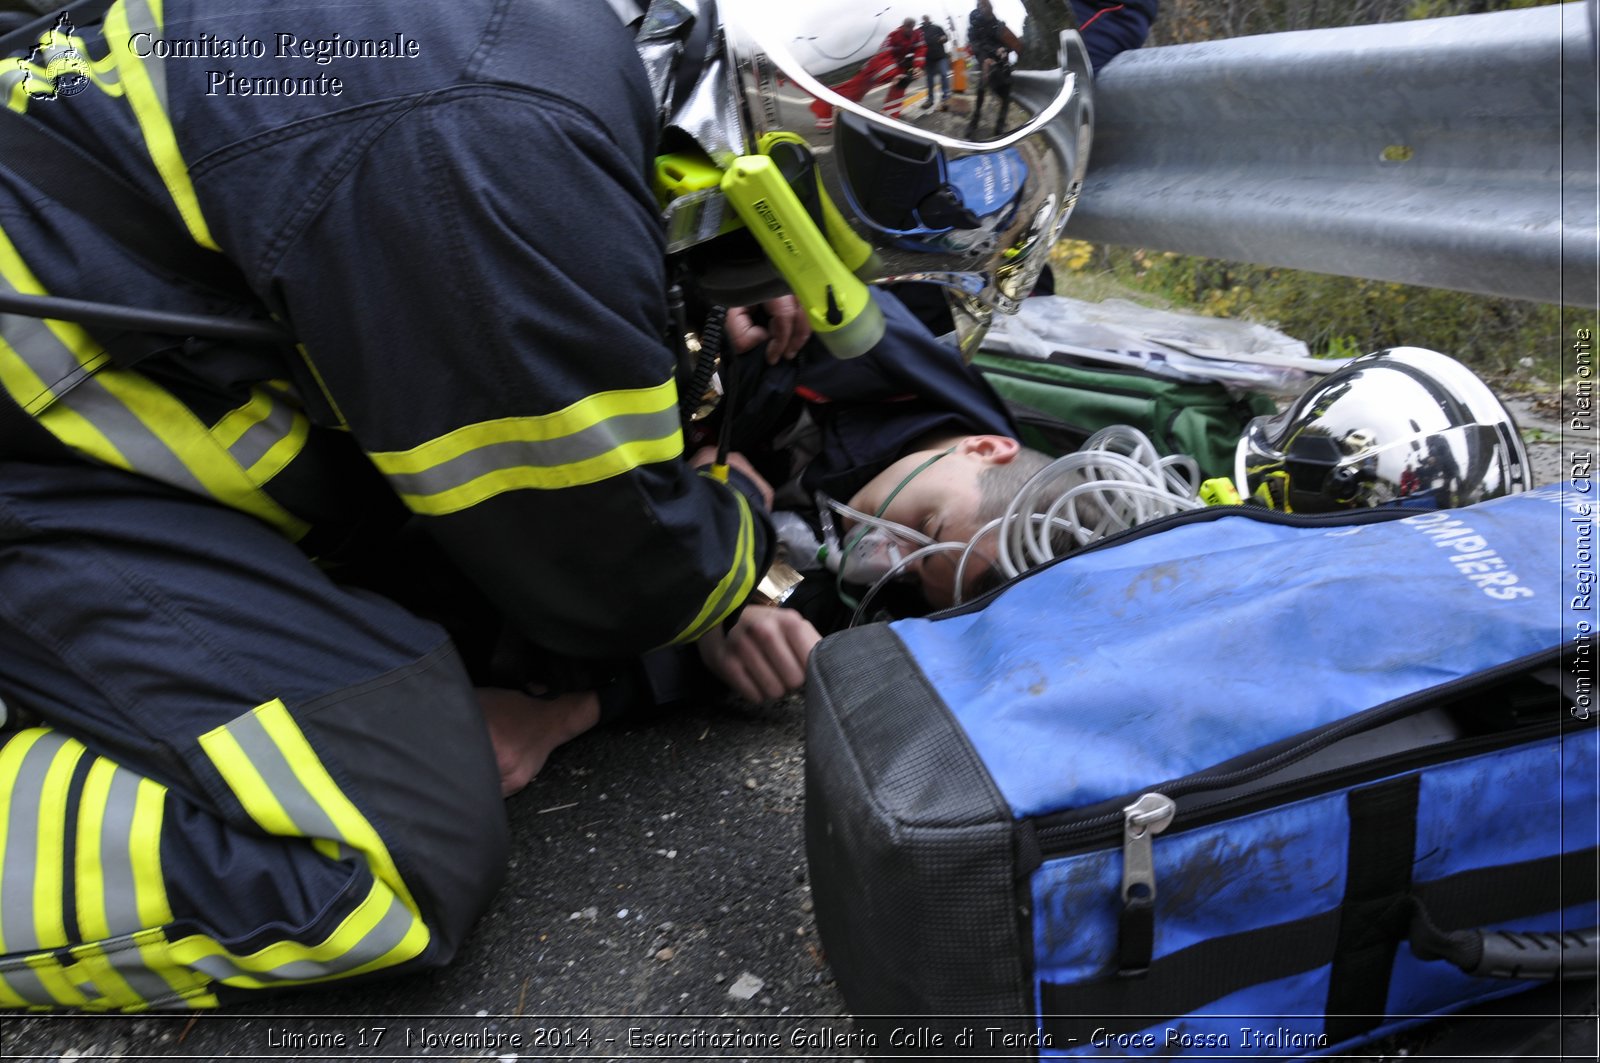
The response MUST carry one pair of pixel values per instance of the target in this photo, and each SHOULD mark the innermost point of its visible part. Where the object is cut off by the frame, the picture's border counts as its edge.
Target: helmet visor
(868, 61)
(969, 188)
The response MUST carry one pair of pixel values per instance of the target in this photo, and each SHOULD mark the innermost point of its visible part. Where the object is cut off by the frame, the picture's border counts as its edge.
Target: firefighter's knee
(418, 755)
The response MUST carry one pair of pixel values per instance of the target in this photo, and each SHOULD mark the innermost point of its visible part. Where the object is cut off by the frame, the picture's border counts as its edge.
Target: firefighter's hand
(786, 331)
(764, 654)
(707, 456)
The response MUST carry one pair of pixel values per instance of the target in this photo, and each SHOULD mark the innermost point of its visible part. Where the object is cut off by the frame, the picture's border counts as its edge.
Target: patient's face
(942, 503)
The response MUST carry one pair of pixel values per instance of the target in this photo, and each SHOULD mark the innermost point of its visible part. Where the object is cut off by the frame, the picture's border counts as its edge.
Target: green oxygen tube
(842, 313)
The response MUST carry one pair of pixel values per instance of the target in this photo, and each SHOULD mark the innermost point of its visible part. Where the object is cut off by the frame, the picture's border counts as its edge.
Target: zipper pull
(1136, 926)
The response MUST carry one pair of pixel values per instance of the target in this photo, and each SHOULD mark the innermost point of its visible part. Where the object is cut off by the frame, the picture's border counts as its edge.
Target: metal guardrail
(1453, 153)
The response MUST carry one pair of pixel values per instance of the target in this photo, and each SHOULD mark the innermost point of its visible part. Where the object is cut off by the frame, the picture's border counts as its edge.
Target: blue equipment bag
(1232, 783)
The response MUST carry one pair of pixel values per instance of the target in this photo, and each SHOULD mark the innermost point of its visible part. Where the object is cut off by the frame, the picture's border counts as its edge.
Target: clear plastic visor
(953, 148)
(860, 59)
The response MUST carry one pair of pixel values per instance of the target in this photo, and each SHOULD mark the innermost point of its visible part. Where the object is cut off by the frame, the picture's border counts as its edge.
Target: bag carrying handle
(1531, 954)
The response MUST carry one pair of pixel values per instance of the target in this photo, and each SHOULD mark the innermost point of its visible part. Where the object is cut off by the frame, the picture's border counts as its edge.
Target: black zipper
(1060, 834)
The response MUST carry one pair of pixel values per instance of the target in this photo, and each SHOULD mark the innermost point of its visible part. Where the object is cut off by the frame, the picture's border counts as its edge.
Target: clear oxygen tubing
(1116, 480)
(904, 563)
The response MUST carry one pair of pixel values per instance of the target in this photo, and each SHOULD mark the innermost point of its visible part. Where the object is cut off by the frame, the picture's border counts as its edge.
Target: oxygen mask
(873, 547)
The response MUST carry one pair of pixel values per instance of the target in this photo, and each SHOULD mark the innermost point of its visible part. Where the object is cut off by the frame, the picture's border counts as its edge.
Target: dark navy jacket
(457, 226)
(1111, 27)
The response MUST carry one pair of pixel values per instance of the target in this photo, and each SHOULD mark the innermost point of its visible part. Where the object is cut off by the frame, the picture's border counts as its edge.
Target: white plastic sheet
(1172, 343)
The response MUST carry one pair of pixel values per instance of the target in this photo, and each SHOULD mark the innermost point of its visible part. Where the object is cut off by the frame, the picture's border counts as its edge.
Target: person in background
(936, 63)
(992, 43)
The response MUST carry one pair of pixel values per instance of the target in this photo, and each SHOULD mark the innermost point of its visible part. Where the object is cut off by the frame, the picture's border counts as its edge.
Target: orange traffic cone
(958, 72)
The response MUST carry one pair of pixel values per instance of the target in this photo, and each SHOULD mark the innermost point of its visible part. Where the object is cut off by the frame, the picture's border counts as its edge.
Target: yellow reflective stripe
(120, 891)
(24, 379)
(582, 415)
(119, 818)
(248, 786)
(49, 882)
(62, 989)
(291, 963)
(595, 438)
(144, 851)
(734, 587)
(353, 827)
(263, 435)
(114, 991)
(36, 767)
(281, 453)
(176, 427)
(482, 488)
(24, 980)
(287, 447)
(235, 423)
(129, 973)
(282, 784)
(90, 863)
(144, 88)
(118, 863)
(16, 923)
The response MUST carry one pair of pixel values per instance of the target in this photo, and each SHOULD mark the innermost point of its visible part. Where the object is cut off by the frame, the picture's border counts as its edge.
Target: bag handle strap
(1531, 954)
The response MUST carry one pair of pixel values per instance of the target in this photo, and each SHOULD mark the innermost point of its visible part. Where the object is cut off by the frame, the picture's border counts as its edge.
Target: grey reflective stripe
(117, 882)
(72, 384)
(140, 19)
(389, 932)
(145, 451)
(126, 960)
(268, 760)
(309, 817)
(261, 437)
(17, 927)
(25, 982)
(51, 360)
(592, 442)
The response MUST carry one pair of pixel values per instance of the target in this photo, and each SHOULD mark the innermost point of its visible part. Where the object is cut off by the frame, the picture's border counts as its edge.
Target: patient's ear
(996, 450)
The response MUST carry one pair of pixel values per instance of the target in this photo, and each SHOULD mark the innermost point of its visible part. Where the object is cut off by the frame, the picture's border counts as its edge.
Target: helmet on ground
(1404, 426)
(904, 181)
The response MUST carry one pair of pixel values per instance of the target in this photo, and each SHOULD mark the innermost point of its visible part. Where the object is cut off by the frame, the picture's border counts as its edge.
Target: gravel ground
(659, 885)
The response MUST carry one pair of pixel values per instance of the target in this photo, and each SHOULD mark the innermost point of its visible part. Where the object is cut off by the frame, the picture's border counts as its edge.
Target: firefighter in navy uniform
(259, 760)
(248, 772)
